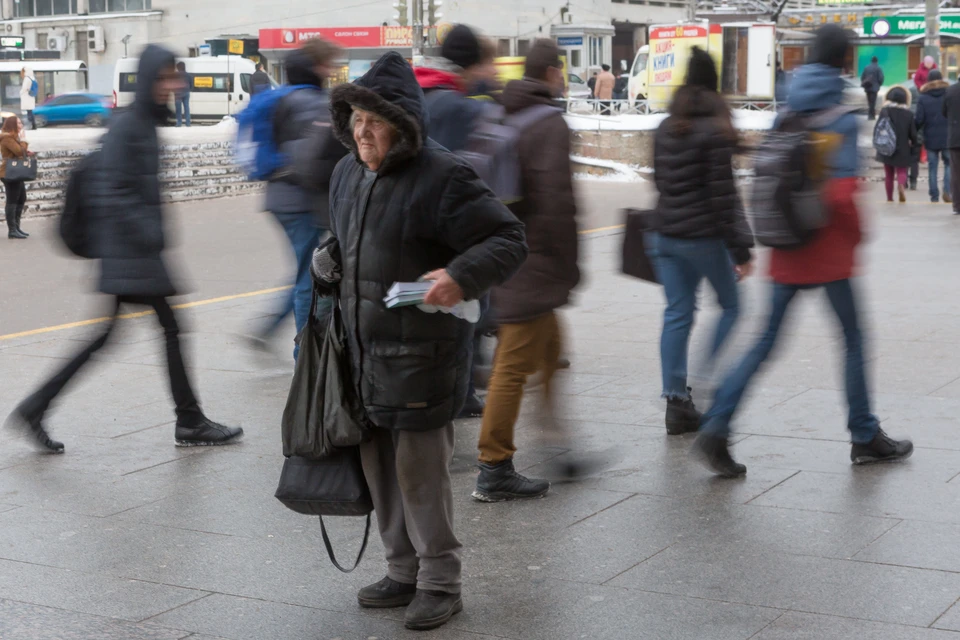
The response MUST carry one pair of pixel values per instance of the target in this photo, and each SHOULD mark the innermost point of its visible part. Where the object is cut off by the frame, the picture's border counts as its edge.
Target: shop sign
(907, 25)
(396, 36)
(235, 46)
(570, 41)
(11, 42)
(347, 37)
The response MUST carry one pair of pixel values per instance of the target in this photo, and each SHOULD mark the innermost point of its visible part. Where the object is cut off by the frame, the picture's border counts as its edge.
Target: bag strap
(333, 557)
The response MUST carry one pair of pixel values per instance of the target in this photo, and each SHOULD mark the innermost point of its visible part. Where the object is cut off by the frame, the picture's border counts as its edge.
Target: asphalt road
(220, 248)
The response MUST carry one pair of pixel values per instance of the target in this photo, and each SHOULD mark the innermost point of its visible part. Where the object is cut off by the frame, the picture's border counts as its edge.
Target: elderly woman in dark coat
(402, 207)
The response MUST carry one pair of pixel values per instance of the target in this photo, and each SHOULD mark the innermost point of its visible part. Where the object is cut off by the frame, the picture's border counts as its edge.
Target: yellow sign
(202, 82)
(235, 46)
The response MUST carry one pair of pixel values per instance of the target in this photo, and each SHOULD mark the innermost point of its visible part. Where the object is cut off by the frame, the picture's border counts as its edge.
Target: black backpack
(77, 214)
(786, 204)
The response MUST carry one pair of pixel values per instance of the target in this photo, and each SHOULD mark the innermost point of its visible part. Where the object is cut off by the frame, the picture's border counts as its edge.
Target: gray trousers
(409, 477)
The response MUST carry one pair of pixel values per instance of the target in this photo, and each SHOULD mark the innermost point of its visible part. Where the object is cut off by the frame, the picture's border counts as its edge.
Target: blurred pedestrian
(916, 151)
(895, 165)
(29, 90)
(529, 336)
(592, 85)
(604, 89)
(128, 237)
(871, 80)
(259, 81)
(702, 232)
(181, 98)
(951, 109)
(405, 207)
(451, 86)
(620, 88)
(301, 207)
(13, 146)
(933, 125)
(922, 74)
(827, 262)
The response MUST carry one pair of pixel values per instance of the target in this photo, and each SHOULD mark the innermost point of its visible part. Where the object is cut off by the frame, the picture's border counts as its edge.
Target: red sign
(347, 37)
(679, 31)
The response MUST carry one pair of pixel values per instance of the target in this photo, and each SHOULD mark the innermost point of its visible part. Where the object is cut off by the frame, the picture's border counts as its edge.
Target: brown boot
(902, 192)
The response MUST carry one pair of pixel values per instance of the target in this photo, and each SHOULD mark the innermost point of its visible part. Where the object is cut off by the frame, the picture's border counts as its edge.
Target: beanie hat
(702, 72)
(461, 47)
(830, 46)
(934, 75)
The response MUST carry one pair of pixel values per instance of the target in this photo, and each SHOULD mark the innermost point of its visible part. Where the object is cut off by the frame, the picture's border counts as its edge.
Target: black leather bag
(24, 169)
(331, 486)
(636, 262)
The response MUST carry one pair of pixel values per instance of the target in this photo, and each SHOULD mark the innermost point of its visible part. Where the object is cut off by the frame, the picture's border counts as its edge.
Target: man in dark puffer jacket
(128, 237)
(402, 207)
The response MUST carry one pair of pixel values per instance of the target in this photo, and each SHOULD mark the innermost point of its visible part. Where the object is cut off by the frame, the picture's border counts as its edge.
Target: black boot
(10, 211)
(30, 423)
(432, 609)
(682, 416)
(472, 408)
(17, 218)
(883, 448)
(499, 482)
(206, 433)
(714, 452)
(386, 594)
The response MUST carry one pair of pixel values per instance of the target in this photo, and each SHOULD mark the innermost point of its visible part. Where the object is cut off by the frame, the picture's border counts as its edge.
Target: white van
(219, 86)
(637, 85)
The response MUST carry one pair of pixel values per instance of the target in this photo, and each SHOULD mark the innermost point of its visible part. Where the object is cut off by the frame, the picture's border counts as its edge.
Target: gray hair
(353, 118)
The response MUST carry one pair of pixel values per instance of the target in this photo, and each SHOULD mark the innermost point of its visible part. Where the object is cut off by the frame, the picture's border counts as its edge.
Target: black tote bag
(24, 168)
(636, 262)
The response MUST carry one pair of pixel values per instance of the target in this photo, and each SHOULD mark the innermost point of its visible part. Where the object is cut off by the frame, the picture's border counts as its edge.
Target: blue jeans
(182, 106)
(863, 425)
(303, 231)
(681, 263)
(933, 158)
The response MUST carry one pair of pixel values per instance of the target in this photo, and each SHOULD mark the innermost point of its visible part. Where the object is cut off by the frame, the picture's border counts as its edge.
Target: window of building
(523, 47)
(503, 47)
(31, 8)
(118, 6)
(575, 58)
(42, 41)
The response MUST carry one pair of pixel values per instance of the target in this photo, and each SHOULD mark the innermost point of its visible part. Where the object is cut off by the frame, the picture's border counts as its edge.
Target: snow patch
(743, 119)
(621, 172)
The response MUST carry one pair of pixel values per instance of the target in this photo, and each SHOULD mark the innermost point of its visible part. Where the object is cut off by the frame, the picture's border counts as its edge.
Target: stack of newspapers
(405, 294)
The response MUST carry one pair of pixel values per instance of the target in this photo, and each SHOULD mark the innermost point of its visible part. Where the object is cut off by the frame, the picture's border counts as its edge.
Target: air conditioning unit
(57, 43)
(95, 41)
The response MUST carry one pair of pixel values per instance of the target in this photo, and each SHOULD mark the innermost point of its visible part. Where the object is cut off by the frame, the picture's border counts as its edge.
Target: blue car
(73, 108)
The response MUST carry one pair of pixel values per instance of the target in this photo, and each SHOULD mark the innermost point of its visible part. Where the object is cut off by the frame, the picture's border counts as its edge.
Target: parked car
(73, 108)
(577, 89)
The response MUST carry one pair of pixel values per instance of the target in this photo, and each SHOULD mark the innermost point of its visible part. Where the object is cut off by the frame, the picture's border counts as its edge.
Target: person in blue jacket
(931, 121)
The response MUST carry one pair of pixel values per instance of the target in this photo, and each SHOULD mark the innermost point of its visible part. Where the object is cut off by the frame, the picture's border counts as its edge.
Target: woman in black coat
(896, 109)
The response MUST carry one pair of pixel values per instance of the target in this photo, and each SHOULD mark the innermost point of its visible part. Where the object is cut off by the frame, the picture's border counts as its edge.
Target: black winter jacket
(931, 123)
(906, 130)
(128, 227)
(872, 78)
(293, 119)
(423, 209)
(693, 171)
(951, 109)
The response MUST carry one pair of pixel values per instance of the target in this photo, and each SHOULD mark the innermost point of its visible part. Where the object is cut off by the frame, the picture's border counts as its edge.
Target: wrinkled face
(168, 82)
(374, 138)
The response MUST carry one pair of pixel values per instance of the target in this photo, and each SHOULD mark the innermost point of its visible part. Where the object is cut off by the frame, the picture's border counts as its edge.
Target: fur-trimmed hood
(389, 90)
(888, 102)
(934, 85)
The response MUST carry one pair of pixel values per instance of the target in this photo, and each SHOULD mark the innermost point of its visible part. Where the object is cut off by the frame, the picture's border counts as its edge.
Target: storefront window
(575, 58)
(503, 47)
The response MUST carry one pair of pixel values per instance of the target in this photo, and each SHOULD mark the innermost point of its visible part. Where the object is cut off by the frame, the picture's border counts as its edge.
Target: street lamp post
(417, 28)
(931, 41)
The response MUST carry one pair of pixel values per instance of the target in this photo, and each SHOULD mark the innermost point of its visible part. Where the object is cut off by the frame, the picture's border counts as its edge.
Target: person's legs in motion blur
(21, 205)
(186, 109)
(889, 172)
(914, 169)
(955, 178)
(712, 444)
(872, 104)
(870, 443)
(409, 479)
(178, 109)
(947, 168)
(933, 163)
(523, 349)
(902, 183)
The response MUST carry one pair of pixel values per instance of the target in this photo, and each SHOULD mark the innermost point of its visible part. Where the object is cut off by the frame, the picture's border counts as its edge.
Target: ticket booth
(586, 46)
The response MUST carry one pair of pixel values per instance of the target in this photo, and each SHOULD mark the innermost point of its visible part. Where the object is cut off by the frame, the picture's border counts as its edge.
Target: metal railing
(592, 107)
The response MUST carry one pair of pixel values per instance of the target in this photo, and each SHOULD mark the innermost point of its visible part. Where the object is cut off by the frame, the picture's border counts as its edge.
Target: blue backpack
(256, 150)
(34, 87)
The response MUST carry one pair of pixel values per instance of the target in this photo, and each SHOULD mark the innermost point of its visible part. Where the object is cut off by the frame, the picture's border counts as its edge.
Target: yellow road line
(140, 314)
(189, 305)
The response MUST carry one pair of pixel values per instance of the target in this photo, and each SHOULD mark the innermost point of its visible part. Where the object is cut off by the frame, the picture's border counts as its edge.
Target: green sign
(11, 42)
(907, 26)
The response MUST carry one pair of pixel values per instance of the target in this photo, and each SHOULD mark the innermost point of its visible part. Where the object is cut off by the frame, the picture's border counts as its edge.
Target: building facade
(99, 32)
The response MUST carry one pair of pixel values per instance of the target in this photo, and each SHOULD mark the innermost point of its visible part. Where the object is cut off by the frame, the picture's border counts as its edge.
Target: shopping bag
(636, 263)
(331, 486)
(24, 169)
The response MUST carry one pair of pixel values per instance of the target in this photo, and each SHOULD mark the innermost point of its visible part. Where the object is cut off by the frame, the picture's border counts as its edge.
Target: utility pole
(931, 42)
(417, 29)
(691, 10)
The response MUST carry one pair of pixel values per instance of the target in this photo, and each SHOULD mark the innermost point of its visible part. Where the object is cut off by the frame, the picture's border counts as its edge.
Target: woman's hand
(445, 291)
(744, 270)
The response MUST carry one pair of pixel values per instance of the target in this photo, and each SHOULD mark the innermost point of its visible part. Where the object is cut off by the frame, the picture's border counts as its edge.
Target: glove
(325, 267)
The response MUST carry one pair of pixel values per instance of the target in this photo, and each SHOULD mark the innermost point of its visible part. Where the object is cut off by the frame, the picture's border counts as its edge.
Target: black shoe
(500, 482)
(682, 416)
(714, 453)
(19, 216)
(207, 434)
(934, 200)
(883, 448)
(432, 609)
(563, 363)
(16, 234)
(386, 594)
(33, 426)
(913, 186)
(472, 408)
